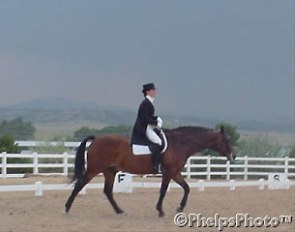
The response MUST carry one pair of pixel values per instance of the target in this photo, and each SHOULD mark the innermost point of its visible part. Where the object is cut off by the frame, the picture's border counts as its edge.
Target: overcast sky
(207, 57)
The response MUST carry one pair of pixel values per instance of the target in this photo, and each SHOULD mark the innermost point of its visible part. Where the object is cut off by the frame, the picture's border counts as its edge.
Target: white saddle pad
(144, 150)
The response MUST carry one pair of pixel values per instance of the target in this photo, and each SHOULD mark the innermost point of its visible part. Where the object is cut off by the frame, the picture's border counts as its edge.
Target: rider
(147, 124)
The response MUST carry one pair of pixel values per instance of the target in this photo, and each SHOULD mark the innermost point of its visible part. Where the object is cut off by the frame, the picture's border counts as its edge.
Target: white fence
(30, 144)
(243, 167)
(204, 167)
(201, 185)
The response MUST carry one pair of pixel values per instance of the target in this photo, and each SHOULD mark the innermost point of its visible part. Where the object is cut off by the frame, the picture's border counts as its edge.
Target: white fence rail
(35, 164)
(30, 144)
(201, 185)
(205, 167)
(243, 167)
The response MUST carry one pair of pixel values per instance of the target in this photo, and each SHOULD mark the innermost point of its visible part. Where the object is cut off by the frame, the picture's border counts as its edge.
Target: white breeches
(152, 136)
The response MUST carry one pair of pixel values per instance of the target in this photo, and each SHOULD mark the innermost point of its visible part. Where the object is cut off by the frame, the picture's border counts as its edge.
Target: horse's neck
(200, 143)
(188, 141)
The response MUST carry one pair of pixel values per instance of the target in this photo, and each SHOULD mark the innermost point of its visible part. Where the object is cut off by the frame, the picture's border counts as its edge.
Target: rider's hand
(159, 122)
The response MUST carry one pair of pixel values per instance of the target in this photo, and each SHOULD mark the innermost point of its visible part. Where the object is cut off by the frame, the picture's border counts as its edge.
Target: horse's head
(223, 145)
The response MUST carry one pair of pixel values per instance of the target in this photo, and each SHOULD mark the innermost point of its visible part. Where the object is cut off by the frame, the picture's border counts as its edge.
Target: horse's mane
(188, 130)
(186, 134)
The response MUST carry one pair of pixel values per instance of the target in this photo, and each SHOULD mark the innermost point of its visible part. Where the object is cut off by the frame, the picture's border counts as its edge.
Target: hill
(61, 112)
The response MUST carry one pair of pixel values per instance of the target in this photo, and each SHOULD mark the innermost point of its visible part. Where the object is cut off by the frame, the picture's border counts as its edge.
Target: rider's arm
(147, 115)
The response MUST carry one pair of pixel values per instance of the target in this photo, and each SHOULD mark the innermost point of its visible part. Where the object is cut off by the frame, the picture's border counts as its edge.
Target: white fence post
(188, 168)
(4, 165)
(35, 163)
(65, 164)
(38, 188)
(246, 168)
(232, 185)
(287, 184)
(201, 185)
(227, 170)
(208, 167)
(261, 184)
(286, 167)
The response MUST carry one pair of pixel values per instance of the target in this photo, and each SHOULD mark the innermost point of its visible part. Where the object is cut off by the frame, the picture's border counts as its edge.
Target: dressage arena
(22, 211)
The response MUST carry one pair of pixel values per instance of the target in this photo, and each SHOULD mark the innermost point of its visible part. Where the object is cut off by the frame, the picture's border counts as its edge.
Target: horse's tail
(79, 170)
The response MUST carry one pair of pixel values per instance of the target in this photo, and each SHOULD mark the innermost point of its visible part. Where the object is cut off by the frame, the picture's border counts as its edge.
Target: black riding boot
(156, 157)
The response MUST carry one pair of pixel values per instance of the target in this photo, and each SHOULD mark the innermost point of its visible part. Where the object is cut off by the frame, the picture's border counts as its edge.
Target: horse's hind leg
(78, 186)
(81, 182)
(109, 175)
(180, 180)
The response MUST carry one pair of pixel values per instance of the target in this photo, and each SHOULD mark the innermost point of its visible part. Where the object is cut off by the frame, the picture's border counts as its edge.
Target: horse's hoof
(119, 211)
(123, 214)
(161, 214)
(66, 212)
(178, 209)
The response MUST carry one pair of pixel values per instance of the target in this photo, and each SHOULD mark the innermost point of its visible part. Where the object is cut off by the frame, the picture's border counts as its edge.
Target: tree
(123, 130)
(231, 131)
(84, 132)
(7, 144)
(292, 152)
(18, 129)
(258, 146)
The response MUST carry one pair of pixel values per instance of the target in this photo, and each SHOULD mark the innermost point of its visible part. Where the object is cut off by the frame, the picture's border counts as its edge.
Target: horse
(111, 153)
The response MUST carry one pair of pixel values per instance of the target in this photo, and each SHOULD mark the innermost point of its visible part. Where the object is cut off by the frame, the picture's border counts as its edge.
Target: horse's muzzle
(231, 157)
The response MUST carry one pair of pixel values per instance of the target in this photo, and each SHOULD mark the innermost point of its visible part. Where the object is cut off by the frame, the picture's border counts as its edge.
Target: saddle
(138, 149)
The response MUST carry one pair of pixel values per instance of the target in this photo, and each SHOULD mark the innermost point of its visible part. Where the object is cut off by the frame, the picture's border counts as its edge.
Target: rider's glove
(159, 122)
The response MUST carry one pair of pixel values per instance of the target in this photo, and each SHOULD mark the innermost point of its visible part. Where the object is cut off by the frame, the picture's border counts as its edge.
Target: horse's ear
(222, 129)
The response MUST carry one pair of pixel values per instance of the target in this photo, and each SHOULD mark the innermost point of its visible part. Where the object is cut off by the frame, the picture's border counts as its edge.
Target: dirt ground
(23, 212)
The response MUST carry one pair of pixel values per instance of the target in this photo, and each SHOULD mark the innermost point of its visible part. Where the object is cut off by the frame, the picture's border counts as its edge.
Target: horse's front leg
(180, 180)
(165, 182)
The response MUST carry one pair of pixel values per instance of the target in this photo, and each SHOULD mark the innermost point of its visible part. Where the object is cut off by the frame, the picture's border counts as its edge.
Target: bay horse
(110, 154)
